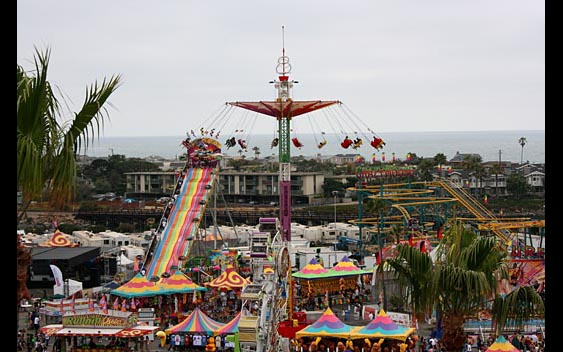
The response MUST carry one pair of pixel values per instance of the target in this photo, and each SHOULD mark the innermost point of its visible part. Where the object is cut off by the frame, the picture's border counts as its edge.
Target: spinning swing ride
(262, 333)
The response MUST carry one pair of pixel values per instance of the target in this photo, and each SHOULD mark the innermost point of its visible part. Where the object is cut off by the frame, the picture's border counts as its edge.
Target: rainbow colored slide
(183, 221)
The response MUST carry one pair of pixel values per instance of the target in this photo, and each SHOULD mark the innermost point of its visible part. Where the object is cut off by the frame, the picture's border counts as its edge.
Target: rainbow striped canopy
(501, 345)
(327, 325)
(230, 327)
(197, 321)
(179, 283)
(138, 286)
(384, 327)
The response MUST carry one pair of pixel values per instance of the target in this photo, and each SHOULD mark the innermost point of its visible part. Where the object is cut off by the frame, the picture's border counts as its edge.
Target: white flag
(58, 274)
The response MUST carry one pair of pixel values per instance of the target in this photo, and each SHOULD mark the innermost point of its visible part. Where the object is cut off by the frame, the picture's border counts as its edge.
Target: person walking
(36, 324)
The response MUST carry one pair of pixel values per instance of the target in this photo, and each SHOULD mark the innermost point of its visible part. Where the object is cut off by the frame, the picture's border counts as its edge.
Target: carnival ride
(423, 207)
(270, 290)
(179, 225)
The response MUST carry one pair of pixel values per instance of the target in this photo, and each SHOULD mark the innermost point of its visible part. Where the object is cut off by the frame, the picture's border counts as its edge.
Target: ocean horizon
(490, 145)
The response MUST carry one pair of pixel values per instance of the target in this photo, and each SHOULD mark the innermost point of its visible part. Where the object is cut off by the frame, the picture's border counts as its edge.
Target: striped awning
(60, 330)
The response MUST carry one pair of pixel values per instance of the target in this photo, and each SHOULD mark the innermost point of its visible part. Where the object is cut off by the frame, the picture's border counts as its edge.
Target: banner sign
(99, 320)
(370, 174)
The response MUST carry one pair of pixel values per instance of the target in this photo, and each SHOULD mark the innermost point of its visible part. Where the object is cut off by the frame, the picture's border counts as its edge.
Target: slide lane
(181, 223)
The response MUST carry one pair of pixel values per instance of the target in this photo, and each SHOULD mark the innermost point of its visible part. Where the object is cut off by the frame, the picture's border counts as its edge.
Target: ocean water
(491, 145)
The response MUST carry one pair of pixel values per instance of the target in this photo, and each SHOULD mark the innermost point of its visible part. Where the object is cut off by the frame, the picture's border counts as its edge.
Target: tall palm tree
(440, 158)
(256, 152)
(414, 271)
(470, 164)
(379, 206)
(522, 141)
(462, 280)
(46, 145)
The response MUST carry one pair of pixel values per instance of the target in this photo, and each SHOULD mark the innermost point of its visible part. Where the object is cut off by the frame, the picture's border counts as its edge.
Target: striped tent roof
(139, 286)
(502, 345)
(179, 283)
(197, 321)
(382, 326)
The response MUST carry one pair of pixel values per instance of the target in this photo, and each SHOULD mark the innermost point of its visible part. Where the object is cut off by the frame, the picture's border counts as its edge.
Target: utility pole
(335, 193)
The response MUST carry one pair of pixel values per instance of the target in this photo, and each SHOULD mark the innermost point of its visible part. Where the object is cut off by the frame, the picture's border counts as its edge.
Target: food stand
(107, 331)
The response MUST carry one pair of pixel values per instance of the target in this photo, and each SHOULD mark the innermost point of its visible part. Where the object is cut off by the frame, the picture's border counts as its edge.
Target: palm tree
(522, 141)
(414, 271)
(256, 152)
(397, 232)
(462, 281)
(46, 145)
(440, 158)
(379, 207)
(470, 164)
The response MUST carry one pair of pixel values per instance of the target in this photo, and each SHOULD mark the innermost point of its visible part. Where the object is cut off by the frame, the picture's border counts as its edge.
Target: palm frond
(516, 307)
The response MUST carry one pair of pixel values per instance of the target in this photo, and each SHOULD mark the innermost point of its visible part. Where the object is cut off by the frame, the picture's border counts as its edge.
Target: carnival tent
(139, 286)
(229, 279)
(501, 345)
(59, 239)
(179, 283)
(317, 280)
(230, 327)
(113, 323)
(383, 327)
(346, 267)
(198, 322)
(328, 325)
(313, 270)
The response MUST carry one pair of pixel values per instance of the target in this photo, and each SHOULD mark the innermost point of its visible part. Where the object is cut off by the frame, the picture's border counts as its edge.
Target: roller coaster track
(476, 208)
(402, 198)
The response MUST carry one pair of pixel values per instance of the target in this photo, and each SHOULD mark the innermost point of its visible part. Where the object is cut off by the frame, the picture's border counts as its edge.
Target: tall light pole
(335, 193)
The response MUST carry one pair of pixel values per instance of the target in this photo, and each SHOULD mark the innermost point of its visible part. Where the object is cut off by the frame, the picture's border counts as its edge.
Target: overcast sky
(399, 66)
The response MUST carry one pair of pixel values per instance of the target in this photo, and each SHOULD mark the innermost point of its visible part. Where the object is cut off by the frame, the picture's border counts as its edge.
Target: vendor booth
(97, 331)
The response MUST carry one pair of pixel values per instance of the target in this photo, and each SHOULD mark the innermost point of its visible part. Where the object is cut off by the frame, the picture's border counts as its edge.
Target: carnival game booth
(314, 282)
(228, 335)
(225, 294)
(99, 331)
(194, 332)
(383, 327)
(501, 345)
(328, 329)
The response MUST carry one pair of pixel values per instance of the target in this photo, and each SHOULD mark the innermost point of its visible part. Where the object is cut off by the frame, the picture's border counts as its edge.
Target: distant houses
(245, 187)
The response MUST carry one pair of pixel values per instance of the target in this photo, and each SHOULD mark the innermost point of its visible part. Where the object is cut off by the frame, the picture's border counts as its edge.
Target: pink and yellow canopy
(138, 286)
(179, 283)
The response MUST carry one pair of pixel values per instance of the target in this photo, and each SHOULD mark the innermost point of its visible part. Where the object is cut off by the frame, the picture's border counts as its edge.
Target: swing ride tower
(284, 109)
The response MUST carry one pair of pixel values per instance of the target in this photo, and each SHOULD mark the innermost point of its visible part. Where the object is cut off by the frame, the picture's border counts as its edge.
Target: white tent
(73, 286)
(123, 260)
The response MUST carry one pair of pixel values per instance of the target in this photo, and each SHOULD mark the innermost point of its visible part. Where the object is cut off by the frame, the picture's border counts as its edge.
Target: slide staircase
(183, 222)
